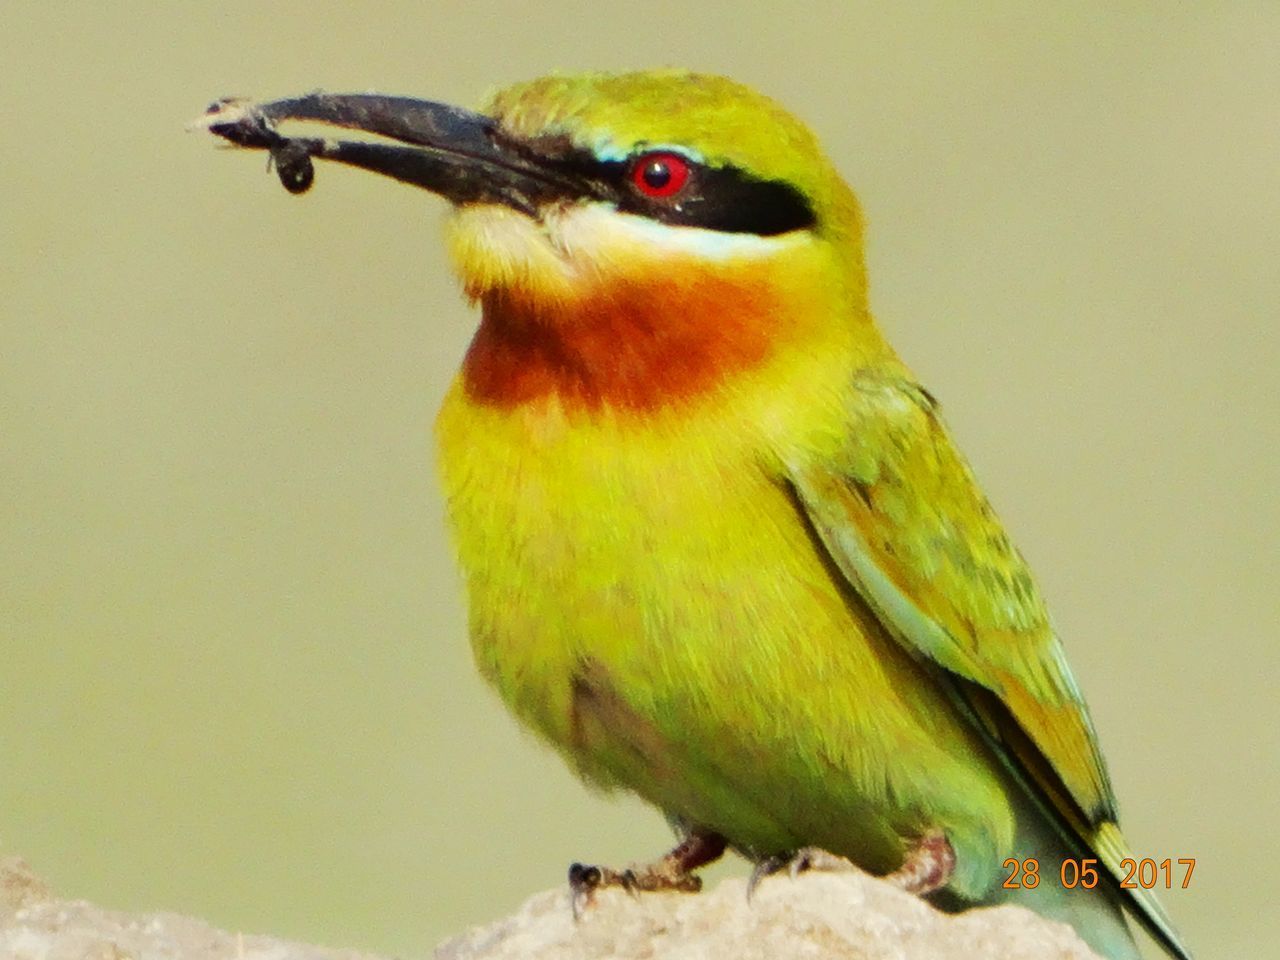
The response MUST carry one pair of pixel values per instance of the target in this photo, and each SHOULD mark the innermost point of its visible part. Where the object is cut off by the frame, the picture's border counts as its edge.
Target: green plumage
(777, 606)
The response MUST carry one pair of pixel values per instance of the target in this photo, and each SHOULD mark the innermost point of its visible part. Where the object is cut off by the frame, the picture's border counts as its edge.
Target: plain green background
(235, 678)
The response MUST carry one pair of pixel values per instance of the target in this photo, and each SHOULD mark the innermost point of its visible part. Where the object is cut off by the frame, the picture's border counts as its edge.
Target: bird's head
(649, 233)
(650, 177)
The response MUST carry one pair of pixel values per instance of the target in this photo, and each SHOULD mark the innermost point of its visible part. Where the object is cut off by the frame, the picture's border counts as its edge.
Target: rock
(820, 916)
(848, 916)
(34, 925)
(19, 887)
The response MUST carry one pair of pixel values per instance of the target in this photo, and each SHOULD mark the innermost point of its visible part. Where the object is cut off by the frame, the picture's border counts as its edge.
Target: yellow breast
(644, 593)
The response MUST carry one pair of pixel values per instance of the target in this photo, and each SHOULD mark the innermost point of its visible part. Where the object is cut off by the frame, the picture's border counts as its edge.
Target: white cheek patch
(575, 246)
(596, 228)
(494, 247)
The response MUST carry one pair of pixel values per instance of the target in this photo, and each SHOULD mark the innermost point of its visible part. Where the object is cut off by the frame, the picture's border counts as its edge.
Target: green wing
(903, 519)
(905, 522)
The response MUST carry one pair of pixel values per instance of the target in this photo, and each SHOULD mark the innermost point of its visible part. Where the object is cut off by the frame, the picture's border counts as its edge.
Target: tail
(1096, 914)
(1052, 829)
(1111, 848)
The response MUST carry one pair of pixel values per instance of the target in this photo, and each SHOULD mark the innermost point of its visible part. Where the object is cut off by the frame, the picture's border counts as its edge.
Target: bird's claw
(815, 858)
(763, 868)
(928, 865)
(796, 863)
(585, 880)
(672, 872)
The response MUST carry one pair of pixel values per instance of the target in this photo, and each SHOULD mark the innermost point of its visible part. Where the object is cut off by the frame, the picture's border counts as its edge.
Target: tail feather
(1095, 914)
(1052, 828)
(1111, 848)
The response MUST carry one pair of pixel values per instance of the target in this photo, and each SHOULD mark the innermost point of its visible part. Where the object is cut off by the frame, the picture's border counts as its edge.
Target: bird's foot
(928, 866)
(672, 872)
(806, 858)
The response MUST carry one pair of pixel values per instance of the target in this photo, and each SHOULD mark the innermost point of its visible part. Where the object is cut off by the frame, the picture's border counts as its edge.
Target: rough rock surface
(35, 925)
(820, 916)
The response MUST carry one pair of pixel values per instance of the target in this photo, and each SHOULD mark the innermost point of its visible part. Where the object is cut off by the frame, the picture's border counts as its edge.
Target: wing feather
(904, 521)
(899, 511)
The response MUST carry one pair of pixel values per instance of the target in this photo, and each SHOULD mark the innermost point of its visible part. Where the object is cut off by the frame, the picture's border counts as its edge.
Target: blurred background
(235, 680)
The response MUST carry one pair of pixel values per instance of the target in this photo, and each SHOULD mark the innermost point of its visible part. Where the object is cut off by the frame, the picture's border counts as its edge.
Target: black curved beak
(460, 155)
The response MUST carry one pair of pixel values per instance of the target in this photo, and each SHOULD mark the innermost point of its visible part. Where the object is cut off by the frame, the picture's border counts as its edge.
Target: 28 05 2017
(1146, 874)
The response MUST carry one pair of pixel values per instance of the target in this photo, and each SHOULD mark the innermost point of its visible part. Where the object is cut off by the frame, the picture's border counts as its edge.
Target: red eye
(660, 174)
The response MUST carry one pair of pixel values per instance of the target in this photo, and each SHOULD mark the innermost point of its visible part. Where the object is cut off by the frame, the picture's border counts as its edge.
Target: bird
(720, 549)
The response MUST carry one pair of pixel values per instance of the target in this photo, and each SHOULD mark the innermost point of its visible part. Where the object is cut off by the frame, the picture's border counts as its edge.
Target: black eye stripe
(716, 198)
(721, 198)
